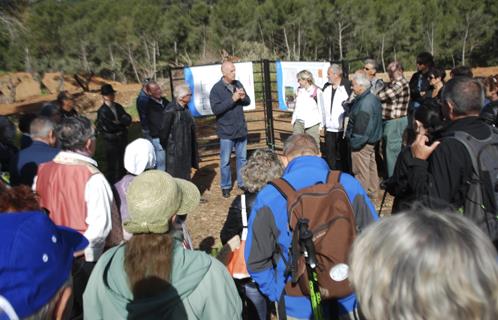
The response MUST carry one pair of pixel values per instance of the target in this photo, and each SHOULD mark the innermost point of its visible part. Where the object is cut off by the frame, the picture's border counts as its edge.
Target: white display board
(202, 78)
(287, 79)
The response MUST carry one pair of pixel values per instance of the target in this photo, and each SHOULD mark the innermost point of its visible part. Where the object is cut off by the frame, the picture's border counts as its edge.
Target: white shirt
(307, 109)
(98, 198)
(333, 116)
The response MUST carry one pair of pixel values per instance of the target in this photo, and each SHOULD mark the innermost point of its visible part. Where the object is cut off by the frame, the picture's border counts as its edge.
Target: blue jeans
(226, 147)
(160, 154)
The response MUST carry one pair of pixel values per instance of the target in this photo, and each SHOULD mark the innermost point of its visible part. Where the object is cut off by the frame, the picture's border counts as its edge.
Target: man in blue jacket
(24, 167)
(227, 98)
(268, 225)
(364, 131)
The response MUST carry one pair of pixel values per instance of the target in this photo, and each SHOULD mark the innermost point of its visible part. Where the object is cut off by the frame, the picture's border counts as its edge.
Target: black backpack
(481, 202)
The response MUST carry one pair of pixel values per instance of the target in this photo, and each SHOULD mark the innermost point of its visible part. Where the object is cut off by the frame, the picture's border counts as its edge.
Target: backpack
(331, 220)
(482, 196)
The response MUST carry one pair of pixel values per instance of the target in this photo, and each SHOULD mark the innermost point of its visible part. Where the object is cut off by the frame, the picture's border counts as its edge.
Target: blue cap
(36, 259)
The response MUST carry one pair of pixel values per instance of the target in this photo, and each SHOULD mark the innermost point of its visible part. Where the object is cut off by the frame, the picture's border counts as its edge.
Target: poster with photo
(202, 78)
(287, 80)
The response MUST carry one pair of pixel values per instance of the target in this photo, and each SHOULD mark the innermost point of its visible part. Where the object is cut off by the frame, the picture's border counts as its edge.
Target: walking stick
(306, 240)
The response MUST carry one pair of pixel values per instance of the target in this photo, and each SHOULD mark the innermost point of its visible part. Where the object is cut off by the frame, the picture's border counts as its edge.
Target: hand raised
(420, 149)
(236, 96)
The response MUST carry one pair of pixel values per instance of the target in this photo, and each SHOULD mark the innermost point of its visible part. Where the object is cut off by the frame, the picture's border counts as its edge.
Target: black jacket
(230, 121)
(441, 180)
(425, 86)
(154, 113)
(177, 136)
(233, 223)
(110, 125)
(398, 184)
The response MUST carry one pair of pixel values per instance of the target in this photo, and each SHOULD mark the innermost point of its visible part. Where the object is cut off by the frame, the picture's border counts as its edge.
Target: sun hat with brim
(154, 197)
(36, 259)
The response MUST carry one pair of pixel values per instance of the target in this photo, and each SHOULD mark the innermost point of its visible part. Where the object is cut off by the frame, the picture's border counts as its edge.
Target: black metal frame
(267, 90)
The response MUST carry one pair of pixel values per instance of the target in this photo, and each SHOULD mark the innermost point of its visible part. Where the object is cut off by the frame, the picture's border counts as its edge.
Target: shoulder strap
(333, 177)
(243, 213)
(108, 265)
(465, 139)
(284, 187)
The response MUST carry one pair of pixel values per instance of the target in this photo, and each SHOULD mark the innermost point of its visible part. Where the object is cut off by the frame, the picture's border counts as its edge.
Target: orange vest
(61, 188)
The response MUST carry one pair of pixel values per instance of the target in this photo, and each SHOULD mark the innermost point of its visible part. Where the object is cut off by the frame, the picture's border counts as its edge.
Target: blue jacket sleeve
(264, 266)
(363, 208)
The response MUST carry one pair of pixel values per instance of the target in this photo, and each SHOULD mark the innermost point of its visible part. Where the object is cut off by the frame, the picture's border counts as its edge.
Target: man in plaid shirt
(394, 97)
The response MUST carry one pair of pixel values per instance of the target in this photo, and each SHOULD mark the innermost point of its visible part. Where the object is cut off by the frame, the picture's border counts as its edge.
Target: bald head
(228, 71)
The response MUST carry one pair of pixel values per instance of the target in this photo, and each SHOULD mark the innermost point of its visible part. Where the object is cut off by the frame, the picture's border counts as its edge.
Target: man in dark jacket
(364, 130)
(227, 98)
(142, 100)
(112, 124)
(177, 135)
(25, 165)
(420, 86)
(440, 172)
(154, 116)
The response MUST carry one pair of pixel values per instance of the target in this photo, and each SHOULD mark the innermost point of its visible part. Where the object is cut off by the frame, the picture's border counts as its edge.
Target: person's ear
(449, 106)
(88, 144)
(285, 161)
(64, 305)
(52, 140)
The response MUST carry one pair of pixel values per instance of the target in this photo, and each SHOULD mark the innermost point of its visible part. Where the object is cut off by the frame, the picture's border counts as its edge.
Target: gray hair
(305, 75)
(465, 94)
(336, 69)
(262, 167)
(47, 311)
(300, 144)
(181, 91)
(41, 127)
(425, 265)
(372, 62)
(361, 79)
(74, 132)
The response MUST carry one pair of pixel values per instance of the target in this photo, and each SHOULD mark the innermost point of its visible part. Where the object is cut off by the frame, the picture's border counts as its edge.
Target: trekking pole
(306, 239)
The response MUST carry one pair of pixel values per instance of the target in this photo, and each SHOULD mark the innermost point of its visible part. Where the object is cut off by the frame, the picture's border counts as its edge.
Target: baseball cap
(153, 197)
(37, 258)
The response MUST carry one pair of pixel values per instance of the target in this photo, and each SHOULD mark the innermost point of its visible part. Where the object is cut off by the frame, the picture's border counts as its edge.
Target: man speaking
(227, 98)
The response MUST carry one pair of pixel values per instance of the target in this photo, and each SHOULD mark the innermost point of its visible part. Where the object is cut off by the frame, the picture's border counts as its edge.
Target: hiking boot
(226, 193)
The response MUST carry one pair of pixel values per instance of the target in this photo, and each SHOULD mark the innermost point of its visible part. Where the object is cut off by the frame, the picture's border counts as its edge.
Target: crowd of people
(77, 242)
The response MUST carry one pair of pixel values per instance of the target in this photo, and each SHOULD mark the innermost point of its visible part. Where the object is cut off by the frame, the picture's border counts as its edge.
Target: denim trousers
(160, 154)
(226, 147)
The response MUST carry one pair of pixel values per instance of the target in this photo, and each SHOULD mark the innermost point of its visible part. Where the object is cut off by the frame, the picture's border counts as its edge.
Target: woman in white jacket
(307, 117)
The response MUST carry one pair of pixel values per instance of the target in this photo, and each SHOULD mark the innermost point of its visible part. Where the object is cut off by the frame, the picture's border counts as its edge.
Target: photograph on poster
(287, 80)
(201, 79)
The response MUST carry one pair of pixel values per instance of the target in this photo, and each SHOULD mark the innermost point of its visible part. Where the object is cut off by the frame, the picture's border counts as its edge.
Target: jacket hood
(189, 268)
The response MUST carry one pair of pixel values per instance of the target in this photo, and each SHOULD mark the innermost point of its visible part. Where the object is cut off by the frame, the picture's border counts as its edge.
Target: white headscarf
(139, 155)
